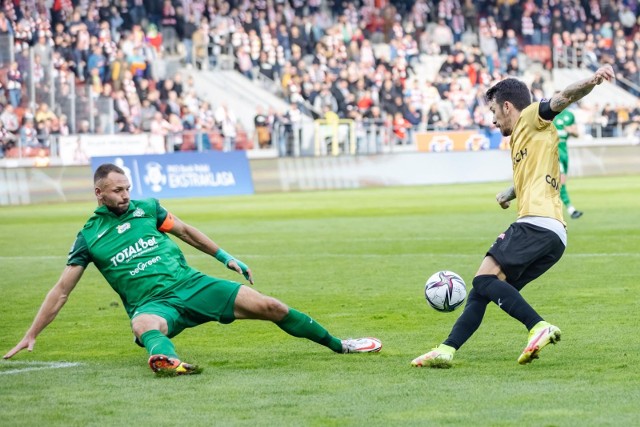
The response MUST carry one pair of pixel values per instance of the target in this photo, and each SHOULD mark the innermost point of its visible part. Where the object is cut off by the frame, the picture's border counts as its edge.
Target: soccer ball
(445, 291)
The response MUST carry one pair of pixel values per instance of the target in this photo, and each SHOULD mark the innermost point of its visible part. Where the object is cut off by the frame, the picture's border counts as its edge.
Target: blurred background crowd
(407, 65)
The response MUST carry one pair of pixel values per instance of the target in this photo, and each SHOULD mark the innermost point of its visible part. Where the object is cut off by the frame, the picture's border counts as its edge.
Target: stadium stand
(109, 67)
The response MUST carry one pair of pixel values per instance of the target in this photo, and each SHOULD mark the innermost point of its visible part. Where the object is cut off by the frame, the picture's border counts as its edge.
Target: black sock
(469, 320)
(508, 299)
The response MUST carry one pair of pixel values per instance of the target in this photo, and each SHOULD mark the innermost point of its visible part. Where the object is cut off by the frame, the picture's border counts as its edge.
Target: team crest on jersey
(123, 227)
(138, 213)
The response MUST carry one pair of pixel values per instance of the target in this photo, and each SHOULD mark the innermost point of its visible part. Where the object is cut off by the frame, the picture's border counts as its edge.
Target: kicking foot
(541, 334)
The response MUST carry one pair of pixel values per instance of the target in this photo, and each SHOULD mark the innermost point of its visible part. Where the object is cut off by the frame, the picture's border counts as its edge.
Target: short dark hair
(104, 170)
(511, 90)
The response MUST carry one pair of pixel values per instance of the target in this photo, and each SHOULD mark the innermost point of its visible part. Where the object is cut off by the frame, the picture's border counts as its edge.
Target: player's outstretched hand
(27, 343)
(241, 268)
(604, 73)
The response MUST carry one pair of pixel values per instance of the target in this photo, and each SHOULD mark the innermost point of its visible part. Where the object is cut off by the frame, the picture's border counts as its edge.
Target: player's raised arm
(53, 302)
(196, 238)
(580, 89)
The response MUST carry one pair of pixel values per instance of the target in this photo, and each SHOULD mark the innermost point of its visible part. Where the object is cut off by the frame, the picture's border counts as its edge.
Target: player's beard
(506, 132)
(119, 209)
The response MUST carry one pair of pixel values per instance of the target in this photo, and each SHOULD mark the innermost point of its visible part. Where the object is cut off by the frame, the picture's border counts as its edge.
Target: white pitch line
(36, 366)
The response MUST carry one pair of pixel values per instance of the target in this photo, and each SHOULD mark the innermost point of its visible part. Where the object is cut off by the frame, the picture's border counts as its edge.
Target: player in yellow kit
(536, 241)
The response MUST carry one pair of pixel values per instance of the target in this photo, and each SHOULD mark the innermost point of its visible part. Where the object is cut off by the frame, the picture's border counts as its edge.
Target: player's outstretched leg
(250, 304)
(439, 357)
(540, 335)
(300, 325)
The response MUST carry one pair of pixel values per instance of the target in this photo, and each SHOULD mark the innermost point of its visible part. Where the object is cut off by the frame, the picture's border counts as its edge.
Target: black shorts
(525, 251)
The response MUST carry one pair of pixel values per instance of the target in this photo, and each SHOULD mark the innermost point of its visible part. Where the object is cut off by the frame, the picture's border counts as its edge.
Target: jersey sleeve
(164, 219)
(79, 252)
(534, 118)
(545, 111)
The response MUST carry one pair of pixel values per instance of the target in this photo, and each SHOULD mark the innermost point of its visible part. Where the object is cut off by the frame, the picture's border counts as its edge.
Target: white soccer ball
(445, 291)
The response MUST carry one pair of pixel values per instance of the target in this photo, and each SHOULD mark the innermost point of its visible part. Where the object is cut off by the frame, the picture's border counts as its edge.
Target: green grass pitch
(356, 261)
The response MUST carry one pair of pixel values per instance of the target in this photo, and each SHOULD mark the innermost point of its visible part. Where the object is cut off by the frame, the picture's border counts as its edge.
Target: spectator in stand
(147, 113)
(9, 120)
(190, 28)
(400, 126)
(176, 128)
(121, 105)
(227, 123)
(412, 115)
(169, 22)
(443, 37)
(325, 99)
(435, 120)
(43, 113)
(172, 105)
(6, 143)
(159, 126)
(154, 38)
(29, 135)
(609, 121)
(461, 117)
(292, 121)
(262, 128)
(200, 42)
(5, 24)
(14, 85)
(63, 126)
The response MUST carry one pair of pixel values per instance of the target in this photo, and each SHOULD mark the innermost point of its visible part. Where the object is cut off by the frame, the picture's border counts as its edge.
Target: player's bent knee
(275, 309)
(481, 282)
(148, 322)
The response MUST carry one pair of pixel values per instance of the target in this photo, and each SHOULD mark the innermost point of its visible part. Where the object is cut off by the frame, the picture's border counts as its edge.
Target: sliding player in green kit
(128, 243)
(565, 125)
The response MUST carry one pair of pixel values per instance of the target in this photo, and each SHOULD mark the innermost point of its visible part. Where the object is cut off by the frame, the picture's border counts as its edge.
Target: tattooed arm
(504, 199)
(580, 89)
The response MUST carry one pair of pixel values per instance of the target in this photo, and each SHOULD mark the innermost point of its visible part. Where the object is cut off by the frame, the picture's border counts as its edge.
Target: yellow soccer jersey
(536, 171)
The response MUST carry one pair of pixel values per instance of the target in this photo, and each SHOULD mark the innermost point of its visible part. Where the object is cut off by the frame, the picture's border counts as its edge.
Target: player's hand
(604, 73)
(241, 268)
(502, 200)
(27, 343)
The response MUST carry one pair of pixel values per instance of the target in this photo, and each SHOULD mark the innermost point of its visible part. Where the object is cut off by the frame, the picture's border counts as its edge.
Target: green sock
(564, 195)
(157, 343)
(302, 326)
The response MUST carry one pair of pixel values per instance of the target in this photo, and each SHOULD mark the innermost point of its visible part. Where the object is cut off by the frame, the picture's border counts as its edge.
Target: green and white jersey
(561, 121)
(140, 262)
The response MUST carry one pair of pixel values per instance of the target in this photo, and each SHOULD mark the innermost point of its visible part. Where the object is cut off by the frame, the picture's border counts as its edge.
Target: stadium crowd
(356, 60)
